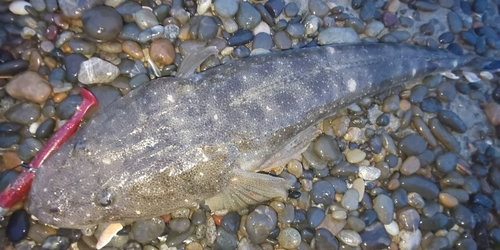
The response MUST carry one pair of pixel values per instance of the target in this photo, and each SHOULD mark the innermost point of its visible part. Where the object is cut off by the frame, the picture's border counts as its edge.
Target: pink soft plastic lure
(19, 189)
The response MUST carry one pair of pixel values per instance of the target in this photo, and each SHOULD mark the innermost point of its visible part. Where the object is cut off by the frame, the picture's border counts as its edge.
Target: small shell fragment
(450, 75)
(108, 234)
(470, 76)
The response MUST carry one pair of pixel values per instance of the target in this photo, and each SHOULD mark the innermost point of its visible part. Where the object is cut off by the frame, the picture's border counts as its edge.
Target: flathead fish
(176, 142)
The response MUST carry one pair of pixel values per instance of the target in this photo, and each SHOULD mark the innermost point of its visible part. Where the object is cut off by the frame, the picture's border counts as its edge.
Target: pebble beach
(413, 167)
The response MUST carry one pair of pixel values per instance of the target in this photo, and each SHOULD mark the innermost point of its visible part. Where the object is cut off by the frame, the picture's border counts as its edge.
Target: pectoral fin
(246, 188)
(292, 150)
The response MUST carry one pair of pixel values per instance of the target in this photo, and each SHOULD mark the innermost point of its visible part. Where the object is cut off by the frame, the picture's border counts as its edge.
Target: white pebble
(350, 237)
(226, 51)
(203, 6)
(369, 173)
(262, 27)
(470, 76)
(486, 75)
(359, 185)
(108, 234)
(355, 155)
(392, 228)
(229, 24)
(34, 127)
(17, 7)
(339, 215)
(409, 240)
(450, 75)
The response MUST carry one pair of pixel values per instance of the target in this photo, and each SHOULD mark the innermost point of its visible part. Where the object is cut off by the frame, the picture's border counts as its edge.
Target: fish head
(73, 188)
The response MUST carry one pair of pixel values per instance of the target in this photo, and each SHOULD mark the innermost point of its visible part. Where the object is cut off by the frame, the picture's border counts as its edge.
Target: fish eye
(53, 208)
(106, 198)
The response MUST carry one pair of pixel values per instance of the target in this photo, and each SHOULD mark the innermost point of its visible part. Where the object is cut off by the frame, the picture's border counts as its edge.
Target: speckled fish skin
(176, 142)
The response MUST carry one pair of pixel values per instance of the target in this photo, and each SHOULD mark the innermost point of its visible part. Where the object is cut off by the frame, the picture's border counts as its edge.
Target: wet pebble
(443, 135)
(231, 222)
(225, 8)
(325, 240)
(375, 237)
(13, 67)
(446, 162)
(322, 193)
(289, 238)
(260, 223)
(145, 18)
(421, 185)
(384, 206)
(55, 242)
(72, 64)
(67, 107)
(225, 240)
(409, 239)
(315, 216)
(451, 120)
(46, 128)
(29, 86)
(464, 217)
(145, 231)
(426, 6)
(23, 113)
(350, 200)
(431, 105)
(282, 40)
(335, 35)
(410, 166)
(162, 51)
(247, 16)
(408, 219)
(355, 156)
(413, 144)
(96, 70)
(18, 226)
(454, 22)
(82, 47)
(102, 23)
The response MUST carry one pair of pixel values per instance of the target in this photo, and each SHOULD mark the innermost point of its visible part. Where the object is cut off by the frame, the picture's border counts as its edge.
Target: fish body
(175, 142)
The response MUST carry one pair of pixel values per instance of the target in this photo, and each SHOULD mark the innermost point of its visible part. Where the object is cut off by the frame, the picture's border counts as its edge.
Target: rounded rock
(18, 226)
(162, 51)
(355, 156)
(323, 193)
(145, 231)
(384, 206)
(260, 223)
(289, 238)
(102, 23)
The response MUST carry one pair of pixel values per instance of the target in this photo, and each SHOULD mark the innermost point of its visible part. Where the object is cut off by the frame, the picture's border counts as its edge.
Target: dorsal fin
(193, 60)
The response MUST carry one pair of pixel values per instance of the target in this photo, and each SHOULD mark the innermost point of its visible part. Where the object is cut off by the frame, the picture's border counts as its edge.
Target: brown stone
(29, 86)
(410, 166)
(35, 61)
(10, 160)
(59, 97)
(448, 200)
(393, 184)
(162, 51)
(404, 104)
(492, 111)
(132, 49)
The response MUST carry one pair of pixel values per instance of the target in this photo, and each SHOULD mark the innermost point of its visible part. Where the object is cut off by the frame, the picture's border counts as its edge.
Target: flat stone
(334, 35)
(96, 70)
(29, 86)
(74, 8)
(421, 185)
